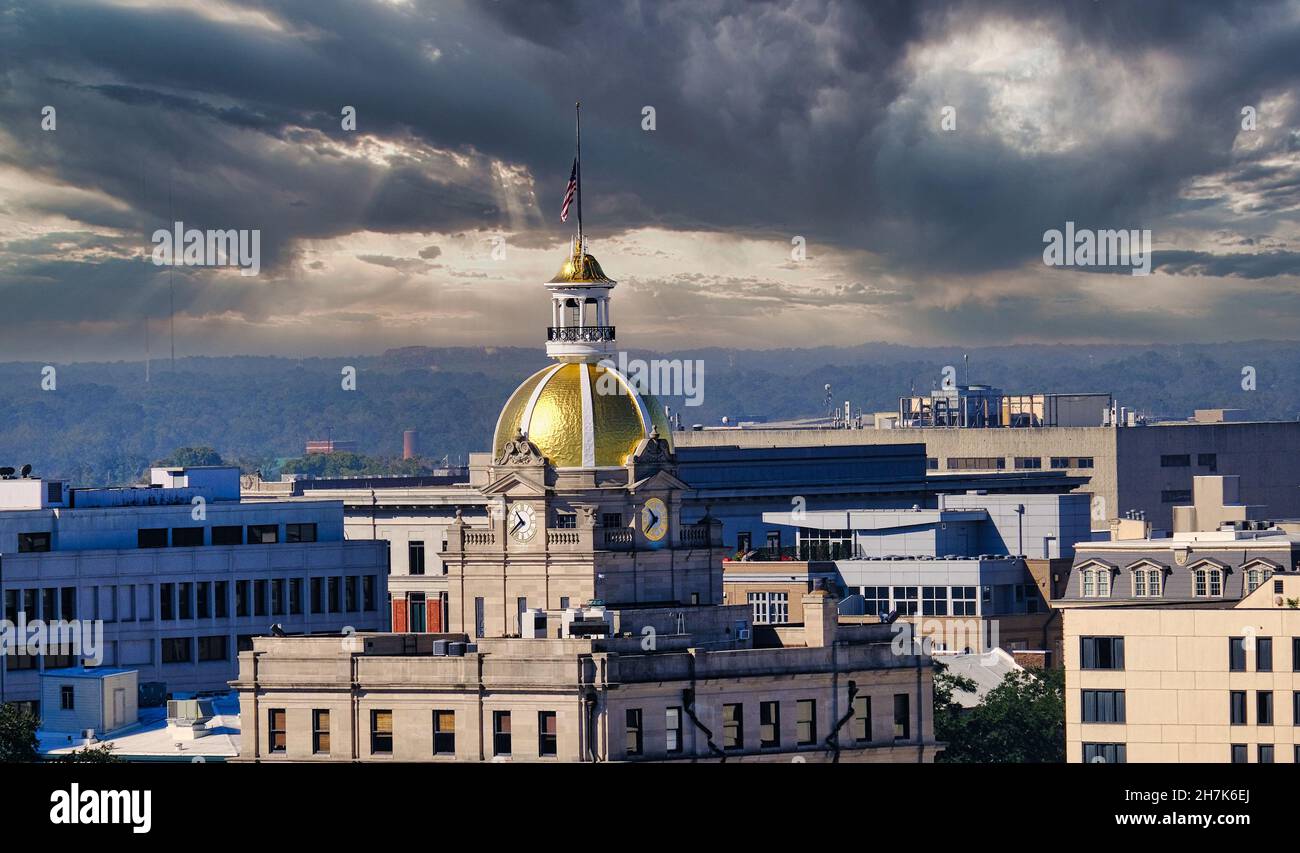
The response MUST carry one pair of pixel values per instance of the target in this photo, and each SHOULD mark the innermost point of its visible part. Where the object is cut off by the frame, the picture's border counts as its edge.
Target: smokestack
(409, 440)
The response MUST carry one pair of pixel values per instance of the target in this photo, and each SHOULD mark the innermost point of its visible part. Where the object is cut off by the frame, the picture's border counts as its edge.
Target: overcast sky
(799, 118)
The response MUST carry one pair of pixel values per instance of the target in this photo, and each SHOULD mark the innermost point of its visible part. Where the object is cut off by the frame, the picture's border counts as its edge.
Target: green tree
(191, 456)
(18, 734)
(102, 754)
(1021, 721)
(948, 714)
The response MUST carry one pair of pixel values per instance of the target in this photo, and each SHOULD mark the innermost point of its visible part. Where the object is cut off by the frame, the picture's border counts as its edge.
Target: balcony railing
(805, 552)
(580, 334)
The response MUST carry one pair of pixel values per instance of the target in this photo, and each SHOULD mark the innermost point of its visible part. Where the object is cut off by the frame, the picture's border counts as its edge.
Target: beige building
(833, 694)
(1186, 683)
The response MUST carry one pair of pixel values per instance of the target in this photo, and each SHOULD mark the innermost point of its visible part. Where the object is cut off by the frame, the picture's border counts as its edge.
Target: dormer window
(1147, 580)
(1208, 581)
(1256, 572)
(1096, 581)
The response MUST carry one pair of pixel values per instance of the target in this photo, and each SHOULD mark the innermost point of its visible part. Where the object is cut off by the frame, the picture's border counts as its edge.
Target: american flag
(569, 193)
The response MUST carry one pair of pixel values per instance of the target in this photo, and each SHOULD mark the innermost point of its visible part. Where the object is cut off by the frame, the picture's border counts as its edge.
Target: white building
(171, 579)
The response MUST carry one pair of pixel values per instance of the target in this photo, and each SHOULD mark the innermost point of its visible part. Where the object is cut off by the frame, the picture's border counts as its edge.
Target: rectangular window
(1175, 460)
(332, 587)
(632, 735)
(1024, 463)
(1103, 706)
(67, 697)
(548, 733)
(277, 597)
(1265, 753)
(1105, 753)
(769, 724)
(744, 542)
(902, 716)
(415, 557)
(1239, 753)
(566, 521)
(733, 726)
(611, 520)
(300, 532)
(862, 719)
(320, 732)
(416, 620)
(381, 732)
(213, 648)
(769, 608)
(317, 597)
(934, 600)
(263, 534)
(444, 732)
(1175, 496)
(805, 722)
(187, 537)
(1236, 654)
(1264, 707)
(673, 729)
(220, 595)
(501, 733)
(176, 650)
(876, 599)
(205, 600)
(186, 609)
(350, 593)
(1208, 460)
(1237, 707)
(277, 736)
(1295, 708)
(31, 543)
(151, 537)
(1263, 654)
(68, 602)
(963, 601)
(228, 535)
(1101, 652)
(368, 592)
(905, 600)
(295, 596)
(243, 606)
(977, 463)
(259, 597)
(166, 601)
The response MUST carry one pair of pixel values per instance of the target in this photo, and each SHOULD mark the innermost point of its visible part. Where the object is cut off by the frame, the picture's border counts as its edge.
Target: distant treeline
(104, 423)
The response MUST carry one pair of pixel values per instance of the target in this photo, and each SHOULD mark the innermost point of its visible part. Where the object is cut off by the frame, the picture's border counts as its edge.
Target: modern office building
(1144, 468)
(584, 616)
(974, 574)
(172, 578)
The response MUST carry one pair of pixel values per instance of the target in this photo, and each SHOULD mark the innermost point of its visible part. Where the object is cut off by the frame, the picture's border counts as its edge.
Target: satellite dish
(277, 630)
(26, 470)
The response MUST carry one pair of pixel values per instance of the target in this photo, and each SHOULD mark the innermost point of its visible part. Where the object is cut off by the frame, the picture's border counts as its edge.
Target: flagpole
(577, 109)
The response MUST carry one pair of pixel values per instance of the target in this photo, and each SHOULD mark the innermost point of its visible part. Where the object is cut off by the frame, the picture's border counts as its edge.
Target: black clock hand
(519, 522)
(654, 518)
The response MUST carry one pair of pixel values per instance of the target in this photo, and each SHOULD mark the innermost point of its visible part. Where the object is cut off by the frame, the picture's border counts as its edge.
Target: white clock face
(521, 523)
(654, 519)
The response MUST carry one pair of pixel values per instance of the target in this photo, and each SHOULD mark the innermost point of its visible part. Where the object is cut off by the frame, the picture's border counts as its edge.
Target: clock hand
(654, 518)
(519, 522)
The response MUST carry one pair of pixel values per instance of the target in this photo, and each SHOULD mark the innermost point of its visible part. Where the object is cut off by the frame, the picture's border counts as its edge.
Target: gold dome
(580, 416)
(580, 268)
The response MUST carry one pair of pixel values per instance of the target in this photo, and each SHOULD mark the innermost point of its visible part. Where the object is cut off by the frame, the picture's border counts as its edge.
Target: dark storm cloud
(800, 117)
